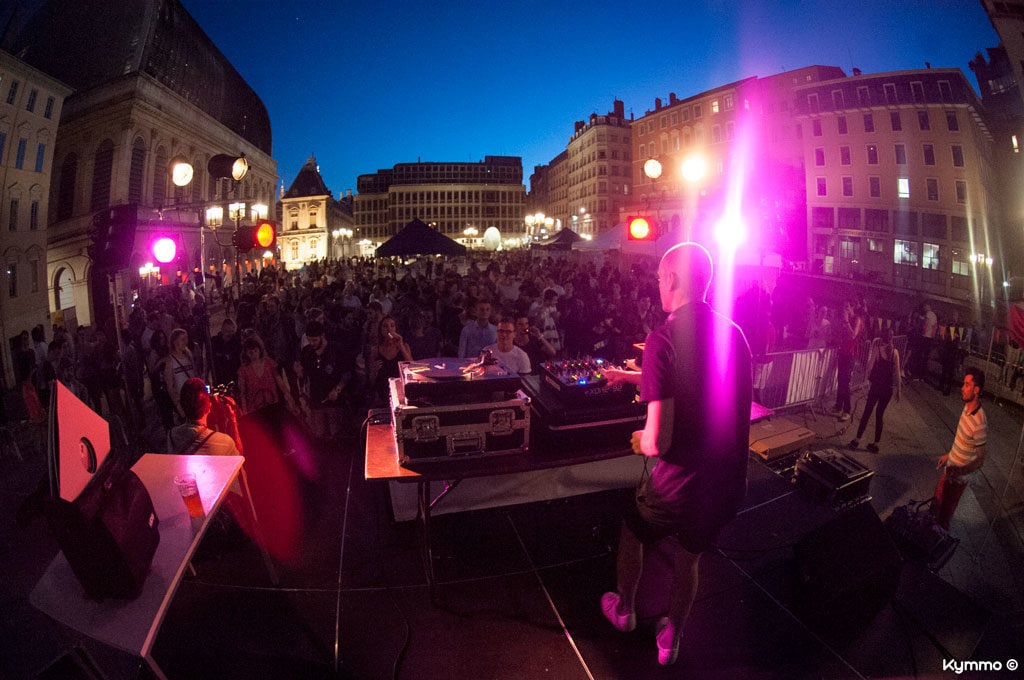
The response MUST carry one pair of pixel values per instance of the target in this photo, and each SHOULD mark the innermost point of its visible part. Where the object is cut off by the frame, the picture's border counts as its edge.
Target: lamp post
(470, 234)
(342, 234)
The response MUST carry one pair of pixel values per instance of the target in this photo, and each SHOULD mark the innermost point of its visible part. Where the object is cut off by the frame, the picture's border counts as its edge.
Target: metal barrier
(801, 377)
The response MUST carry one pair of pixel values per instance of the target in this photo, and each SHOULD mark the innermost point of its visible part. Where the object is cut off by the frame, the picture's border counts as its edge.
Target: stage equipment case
(436, 433)
(833, 477)
(603, 423)
(778, 437)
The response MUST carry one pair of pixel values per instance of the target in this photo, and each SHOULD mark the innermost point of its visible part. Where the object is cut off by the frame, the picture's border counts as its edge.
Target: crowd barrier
(806, 377)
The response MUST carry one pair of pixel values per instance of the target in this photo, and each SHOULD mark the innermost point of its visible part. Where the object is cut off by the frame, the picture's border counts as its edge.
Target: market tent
(563, 240)
(615, 239)
(416, 238)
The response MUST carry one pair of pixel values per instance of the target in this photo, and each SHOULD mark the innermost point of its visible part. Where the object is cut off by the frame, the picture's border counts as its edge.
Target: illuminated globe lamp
(652, 168)
(639, 229)
(693, 169)
(164, 249)
(181, 172)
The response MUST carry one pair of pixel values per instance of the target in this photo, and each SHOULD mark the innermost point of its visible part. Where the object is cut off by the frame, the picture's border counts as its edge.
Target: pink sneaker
(610, 607)
(668, 643)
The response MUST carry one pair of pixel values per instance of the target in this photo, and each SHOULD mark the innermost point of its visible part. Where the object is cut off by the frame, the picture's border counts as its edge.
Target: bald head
(684, 275)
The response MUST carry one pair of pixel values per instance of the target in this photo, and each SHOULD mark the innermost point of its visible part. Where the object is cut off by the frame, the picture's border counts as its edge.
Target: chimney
(657, 103)
(927, 64)
(578, 126)
(856, 71)
(620, 108)
(672, 99)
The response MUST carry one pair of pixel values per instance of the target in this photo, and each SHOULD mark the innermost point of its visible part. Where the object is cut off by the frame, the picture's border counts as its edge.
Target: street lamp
(342, 234)
(470, 233)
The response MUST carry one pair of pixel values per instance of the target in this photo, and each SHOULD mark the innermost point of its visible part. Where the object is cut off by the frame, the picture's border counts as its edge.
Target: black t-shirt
(324, 372)
(700, 360)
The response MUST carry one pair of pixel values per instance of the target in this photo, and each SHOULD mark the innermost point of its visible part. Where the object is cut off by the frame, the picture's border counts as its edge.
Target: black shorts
(650, 521)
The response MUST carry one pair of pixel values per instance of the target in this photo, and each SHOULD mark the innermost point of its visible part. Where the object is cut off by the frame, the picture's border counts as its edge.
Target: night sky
(366, 85)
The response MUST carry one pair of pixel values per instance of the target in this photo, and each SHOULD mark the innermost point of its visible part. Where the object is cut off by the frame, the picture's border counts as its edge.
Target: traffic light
(244, 238)
(265, 234)
(113, 237)
(640, 228)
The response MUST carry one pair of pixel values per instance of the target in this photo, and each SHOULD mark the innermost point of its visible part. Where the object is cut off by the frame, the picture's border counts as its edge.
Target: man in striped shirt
(967, 453)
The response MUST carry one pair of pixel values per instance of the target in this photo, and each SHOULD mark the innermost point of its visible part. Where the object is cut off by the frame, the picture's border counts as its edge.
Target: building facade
(461, 200)
(900, 182)
(30, 108)
(157, 92)
(314, 225)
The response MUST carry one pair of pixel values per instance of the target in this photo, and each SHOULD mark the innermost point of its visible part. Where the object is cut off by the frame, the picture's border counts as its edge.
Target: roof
(416, 238)
(308, 182)
(100, 41)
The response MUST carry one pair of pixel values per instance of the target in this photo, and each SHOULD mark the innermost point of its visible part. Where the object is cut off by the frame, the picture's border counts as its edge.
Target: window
(872, 154)
(48, 111)
(714, 106)
(945, 91)
(844, 155)
(929, 154)
(33, 273)
(959, 262)
(136, 169)
(932, 186)
(812, 102)
(641, 130)
(875, 245)
(12, 93)
(930, 256)
(30, 104)
(841, 125)
(876, 219)
(730, 132)
(922, 120)
(716, 134)
(33, 215)
(917, 91)
(958, 155)
(901, 154)
(895, 121)
(727, 102)
(816, 127)
(822, 218)
(863, 97)
(12, 215)
(40, 156)
(905, 252)
(890, 93)
(903, 187)
(819, 156)
(875, 187)
(837, 100)
(952, 124)
(19, 160)
(849, 248)
(869, 122)
(961, 191)
(847, 185)
(696, 111)
(12, 280)
(103, 164)
(822, 189)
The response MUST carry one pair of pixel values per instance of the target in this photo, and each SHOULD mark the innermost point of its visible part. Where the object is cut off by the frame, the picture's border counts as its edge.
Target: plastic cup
(189, 490)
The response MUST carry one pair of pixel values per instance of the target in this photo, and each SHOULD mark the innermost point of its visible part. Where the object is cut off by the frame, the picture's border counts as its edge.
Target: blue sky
(366, 85)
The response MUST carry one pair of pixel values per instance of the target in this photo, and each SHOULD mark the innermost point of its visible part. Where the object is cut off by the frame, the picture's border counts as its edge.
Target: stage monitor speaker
(849, 569)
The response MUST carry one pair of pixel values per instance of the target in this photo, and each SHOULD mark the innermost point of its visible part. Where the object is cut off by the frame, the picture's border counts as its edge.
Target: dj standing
(697, 384)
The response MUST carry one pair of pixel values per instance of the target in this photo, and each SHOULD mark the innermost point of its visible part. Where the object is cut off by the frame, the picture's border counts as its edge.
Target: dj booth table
(536, 474)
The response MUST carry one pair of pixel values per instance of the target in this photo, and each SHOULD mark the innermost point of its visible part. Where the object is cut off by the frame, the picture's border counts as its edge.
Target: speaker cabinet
(848, 569)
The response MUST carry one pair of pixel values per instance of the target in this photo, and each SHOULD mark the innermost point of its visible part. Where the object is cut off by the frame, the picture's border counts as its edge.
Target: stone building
(149, 88)
(30, 108)
(314, 226)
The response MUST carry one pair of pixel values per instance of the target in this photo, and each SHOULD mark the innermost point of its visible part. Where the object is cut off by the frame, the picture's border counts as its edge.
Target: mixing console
(582, 378)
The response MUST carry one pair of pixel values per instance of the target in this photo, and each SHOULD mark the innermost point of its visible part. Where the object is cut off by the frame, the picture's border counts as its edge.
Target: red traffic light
(265, 234)
(640, 228)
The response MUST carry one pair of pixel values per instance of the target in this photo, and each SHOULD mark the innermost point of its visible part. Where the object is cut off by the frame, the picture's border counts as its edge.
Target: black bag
(110, 532)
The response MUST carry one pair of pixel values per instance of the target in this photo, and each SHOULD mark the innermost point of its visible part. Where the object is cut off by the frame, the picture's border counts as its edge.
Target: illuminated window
(905, 252)
(930, 256)
(875, 245)
(1015, 143)
(903, 187)
(849, 248)
(312, 246)
(959, 261)
(714, 106)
